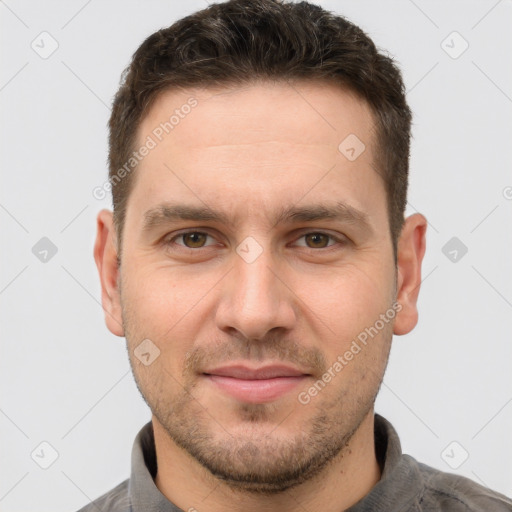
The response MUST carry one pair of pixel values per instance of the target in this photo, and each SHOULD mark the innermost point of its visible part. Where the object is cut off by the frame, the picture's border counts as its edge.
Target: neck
(347, 479)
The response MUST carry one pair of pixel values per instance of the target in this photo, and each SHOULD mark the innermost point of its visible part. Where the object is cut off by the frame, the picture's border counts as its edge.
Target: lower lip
(256, 391)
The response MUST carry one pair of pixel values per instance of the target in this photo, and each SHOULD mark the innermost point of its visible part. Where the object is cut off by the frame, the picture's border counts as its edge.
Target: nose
(256, 298)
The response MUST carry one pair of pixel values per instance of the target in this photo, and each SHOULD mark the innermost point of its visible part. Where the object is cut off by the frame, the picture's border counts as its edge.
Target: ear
(411, 249)
(105, 255)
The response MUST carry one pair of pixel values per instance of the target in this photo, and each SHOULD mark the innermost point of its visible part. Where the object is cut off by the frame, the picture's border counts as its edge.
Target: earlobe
(411, 249)
(105, 255)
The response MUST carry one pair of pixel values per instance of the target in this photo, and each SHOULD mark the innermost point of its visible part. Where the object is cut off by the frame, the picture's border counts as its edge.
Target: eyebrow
(171, 212)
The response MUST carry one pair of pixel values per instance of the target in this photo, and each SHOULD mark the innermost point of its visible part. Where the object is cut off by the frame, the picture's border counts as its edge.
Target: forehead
(258, 112)
(257, 145)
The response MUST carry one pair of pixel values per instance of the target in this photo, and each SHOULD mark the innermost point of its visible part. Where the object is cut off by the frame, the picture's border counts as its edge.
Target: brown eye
(318, 240)
(194, 239)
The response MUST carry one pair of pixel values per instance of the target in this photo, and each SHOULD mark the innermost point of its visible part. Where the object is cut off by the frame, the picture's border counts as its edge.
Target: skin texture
(251, 152)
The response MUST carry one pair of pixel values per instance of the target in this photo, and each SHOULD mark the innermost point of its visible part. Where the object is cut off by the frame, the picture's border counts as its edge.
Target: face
(256, 256)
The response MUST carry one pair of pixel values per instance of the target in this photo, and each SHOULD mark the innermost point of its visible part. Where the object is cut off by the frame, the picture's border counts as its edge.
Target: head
(262, 223)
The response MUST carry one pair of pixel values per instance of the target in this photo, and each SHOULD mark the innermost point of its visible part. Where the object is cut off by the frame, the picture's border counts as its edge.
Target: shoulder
(115, 500)
(447, 491)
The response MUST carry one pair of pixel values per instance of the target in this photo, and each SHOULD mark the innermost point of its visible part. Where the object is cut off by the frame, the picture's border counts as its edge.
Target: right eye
(190, 239)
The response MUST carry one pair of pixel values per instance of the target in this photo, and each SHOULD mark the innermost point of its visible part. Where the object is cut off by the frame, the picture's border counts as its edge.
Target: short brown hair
(239, 41)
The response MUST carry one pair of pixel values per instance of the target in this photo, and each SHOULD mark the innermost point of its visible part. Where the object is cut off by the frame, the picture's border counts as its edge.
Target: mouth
(256, 385)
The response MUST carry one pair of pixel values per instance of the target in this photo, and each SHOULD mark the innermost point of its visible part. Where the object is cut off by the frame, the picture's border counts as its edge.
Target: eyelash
(340, 241)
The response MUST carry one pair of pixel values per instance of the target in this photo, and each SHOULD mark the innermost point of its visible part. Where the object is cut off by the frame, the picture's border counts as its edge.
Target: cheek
(161, 297)
(346, 300)
(170, 306)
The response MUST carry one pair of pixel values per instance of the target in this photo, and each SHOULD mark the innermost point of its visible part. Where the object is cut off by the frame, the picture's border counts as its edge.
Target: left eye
(318, 239)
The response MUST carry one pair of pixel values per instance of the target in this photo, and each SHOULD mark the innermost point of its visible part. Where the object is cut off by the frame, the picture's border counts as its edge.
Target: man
(258, 263)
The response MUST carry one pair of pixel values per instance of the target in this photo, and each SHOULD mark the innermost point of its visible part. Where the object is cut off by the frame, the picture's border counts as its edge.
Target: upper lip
(265, 372)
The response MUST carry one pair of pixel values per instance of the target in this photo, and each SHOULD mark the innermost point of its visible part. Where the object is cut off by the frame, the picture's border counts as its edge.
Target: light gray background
(66, 380)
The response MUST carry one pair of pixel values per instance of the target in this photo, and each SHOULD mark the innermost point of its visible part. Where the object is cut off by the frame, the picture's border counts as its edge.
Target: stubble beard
(262, 457)
(256, 463)
(249, 460)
